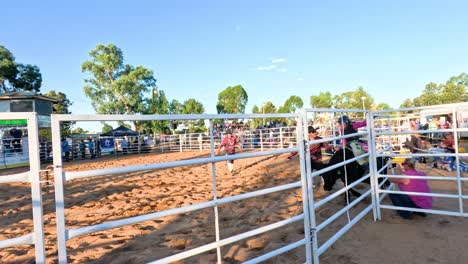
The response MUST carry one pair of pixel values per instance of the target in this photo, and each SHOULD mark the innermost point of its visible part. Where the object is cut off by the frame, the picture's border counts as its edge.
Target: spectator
(66, 149)
(410, 185)
(83, 149)
(315, 150)
(91, 148)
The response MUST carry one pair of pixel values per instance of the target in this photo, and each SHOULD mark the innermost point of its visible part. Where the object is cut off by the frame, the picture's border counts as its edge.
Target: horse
(352, 170)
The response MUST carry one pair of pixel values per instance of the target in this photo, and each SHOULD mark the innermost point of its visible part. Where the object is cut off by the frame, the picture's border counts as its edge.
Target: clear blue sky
(274, 49)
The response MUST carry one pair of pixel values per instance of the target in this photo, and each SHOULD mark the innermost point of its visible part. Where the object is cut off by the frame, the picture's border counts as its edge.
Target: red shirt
(229, 144)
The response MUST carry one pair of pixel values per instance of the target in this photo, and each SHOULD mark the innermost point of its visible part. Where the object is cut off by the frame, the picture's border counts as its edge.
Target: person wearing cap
(408, 167)
(345, 127)
(229, 144)
(315, 150)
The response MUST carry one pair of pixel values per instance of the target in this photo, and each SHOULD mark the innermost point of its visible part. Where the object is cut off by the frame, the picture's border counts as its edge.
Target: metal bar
(339, 192)
(441, 212)
(307, 192)
(59, 192)
(423, 155)
(373, 169)
(19, 177)
(141, 218)
(328, 110)
(276, 252)
(82, 118)
(343, 163)
(229, 240)
(408, 132)
(421, 194)
(327, 139)
(343, 210)
(437, 178)
(457, 160)
(215, 194)
(17, 241)
(36, 194)
(343, 230)
(164, 165)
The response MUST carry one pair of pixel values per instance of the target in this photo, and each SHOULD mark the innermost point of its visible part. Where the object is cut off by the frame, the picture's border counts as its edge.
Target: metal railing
(64, 234)
(32, 176)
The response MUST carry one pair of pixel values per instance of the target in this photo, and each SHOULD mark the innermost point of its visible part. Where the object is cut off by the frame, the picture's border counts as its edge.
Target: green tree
(192, 106)
(62, 107)
(383, 106)
(323, 100)
(107, 128)
(232, 100)
(256, 122)
(293, 103)
(358, 99)
(268, 108)
(115, 87)
(15, 76)
(407, 103)
(157, 105)
(79, 131)
(430, 95)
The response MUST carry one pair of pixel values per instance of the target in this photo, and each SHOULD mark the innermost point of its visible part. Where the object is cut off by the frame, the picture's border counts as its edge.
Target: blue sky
(274, 49)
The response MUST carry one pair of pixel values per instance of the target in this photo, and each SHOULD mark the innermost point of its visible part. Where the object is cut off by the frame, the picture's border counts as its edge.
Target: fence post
(59, 192)
(200, 138)
(261, 139)
(180, 142)
(307, 190)
(281, 137)
(36, 195)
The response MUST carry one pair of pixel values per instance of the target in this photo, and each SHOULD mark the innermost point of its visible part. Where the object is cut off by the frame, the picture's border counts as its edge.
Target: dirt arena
(434, 239)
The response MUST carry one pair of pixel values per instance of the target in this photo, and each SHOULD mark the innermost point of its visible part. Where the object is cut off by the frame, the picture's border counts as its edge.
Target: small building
(27, 101)
(13, 133)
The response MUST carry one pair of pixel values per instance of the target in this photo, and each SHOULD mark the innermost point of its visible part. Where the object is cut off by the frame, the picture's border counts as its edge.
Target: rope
(346, 186)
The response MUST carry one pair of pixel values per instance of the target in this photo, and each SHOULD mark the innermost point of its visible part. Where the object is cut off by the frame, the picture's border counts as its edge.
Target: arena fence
(32, 176)
(381, 145)
(432, 152)
(64, 234)
(317, 250)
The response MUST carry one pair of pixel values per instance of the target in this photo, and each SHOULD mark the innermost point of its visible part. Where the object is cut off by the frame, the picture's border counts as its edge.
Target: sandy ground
(434, 239)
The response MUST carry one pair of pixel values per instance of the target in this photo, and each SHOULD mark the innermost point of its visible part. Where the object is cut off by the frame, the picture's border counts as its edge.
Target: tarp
(120, 132)
(107, 145)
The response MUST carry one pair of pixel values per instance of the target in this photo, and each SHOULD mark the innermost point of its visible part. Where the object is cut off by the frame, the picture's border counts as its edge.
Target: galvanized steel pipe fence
(35, 238)
(65, 234)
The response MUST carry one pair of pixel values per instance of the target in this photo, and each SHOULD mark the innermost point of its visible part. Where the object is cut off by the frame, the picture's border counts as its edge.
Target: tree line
(114, 87)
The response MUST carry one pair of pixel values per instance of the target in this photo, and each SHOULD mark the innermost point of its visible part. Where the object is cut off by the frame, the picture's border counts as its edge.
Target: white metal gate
(382, 135)
(61, 177)
(32, 176)
(309, 115)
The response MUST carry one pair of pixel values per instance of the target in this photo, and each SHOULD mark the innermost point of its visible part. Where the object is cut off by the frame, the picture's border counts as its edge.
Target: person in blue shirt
(66, 149)
(91, 148)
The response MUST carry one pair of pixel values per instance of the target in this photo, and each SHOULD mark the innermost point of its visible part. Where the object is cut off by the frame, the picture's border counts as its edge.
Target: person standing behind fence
(124, 145)
(228, 145)
(315, 150)
(83, 149)
(66, 149)
(91, 148)
(410, 185)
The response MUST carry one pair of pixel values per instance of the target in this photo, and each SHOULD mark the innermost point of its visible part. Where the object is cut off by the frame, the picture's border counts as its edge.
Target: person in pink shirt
(411, 185)
(228, 145)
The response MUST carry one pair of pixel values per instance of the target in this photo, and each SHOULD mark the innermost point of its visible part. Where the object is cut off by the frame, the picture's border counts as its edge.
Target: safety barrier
(437, 153)
(64, 234)
(317, 249)
(32, 176)
(380, 145)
